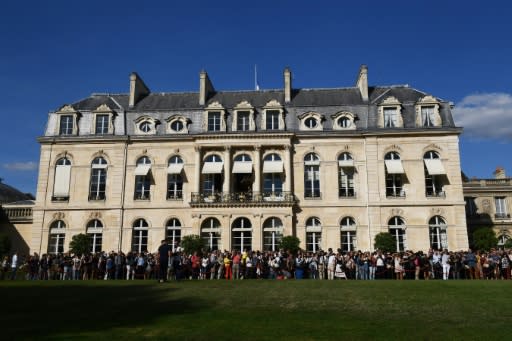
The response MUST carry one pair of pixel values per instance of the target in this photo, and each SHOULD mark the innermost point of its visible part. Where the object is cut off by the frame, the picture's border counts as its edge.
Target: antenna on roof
(256, 85)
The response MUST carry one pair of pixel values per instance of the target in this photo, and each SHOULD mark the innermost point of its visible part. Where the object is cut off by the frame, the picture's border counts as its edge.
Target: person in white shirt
(331, 264)
(14, 265)
(445, 262)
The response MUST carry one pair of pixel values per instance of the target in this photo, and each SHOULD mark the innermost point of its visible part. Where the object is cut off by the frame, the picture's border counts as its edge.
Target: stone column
(226, 188)
(287, 168)
(197, 178)
(256, 185)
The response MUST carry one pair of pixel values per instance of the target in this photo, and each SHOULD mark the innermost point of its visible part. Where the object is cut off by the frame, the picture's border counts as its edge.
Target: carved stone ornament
(67, 108)
(58, 215)
(103, 108)
(272, 104)
(244, 105)
(397, 212)
(391, 100)
(95, 215)
(437, 211)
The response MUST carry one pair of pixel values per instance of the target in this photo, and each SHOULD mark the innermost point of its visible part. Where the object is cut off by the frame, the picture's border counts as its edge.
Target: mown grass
(257, 310)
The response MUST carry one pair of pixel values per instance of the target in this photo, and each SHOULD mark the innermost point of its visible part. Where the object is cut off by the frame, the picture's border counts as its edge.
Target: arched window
(311, 176)
(502, 239)
(57, 236)
(346, 176)
(394, 175)
(95, 234)
(62, 180)
(313, 234)
(272, 177)
(213, 168)
(396, 226)
(175, 179)
(142, 179)
(348, 234)
(98, 179)
(173, 233)
(438, 237)
(272, 234)
(140, 236)
(241, 234)
(210, 232)
(435, 174)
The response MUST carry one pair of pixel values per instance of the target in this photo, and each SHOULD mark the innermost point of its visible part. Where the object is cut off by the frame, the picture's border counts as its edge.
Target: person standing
(14, 265)
(164, 253)
(445, 263)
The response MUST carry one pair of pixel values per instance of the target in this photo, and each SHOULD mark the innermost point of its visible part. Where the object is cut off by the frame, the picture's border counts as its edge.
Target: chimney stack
(362, 82)
(205, 87)
(138, 89)
(287, 85)
(499, 173)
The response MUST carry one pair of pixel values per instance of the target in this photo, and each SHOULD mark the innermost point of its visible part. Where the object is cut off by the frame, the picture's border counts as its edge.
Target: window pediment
(213, 122)
(273, 116)
(67, 121)
(243, 117)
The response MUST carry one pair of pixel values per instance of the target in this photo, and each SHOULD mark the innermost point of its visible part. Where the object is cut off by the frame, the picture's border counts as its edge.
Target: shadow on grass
(50, 311)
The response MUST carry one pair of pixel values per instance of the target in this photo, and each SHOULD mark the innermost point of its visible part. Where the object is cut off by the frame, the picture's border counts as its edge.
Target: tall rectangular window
(142, 187)
(501, 207)
(98, 184)
(272, 119)
(214, 123)
(102, 124)
(66, 125)
(242, 123)
(427, 116)
(312, 182)
(390, 117)
(346, 183)
(174, 187)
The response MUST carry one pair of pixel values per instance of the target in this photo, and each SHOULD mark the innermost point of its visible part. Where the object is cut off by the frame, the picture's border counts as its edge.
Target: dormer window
(311, 121)
(146, 125)
(343, 121)
(273, 116)
(103, 120)
(427, 112)
(390, 113)
(243, 117)
(177, 124)
(67, 121)
(214, 118)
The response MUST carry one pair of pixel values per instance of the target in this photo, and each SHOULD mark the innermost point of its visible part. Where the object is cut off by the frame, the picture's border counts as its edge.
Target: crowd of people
(166, 264)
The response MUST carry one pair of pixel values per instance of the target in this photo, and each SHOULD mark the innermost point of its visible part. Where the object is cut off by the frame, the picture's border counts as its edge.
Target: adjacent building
(242, 169)
(488, 204)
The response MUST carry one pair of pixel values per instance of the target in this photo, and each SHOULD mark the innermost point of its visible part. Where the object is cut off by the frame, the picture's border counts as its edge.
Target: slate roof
(10, 194)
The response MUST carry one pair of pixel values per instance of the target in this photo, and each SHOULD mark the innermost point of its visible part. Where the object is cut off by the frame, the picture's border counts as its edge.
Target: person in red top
(195, 261)
(236, 265)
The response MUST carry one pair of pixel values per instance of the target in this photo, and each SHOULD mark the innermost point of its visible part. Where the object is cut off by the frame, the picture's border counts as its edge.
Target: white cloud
(21, 166)
(485, 116)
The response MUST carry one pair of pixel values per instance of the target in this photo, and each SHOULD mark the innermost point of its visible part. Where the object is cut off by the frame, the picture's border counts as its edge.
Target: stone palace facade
(242, 169)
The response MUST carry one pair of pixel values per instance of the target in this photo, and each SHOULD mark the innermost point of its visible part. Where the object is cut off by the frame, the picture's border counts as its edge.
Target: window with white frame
(243, 120)
(435, 175)
(272, 119)
(56, 237)
(140, 236)
(173, 233)
(213, 168)
(438, 236)
(272, 176)
(396, 227)
(346, 176)
(210, 232)
(243, 176)
(348, 234)
(272, 234)
(241, 234)
(390, 117)
(311, 176)
(427, 116)
(66, 124)
(394, 175)
(501, 207)
(62, 180)
(313, 234)
(102, 124)
(427, 112)
(174, 178)
(142, 179)
(389, 112)
(98, 179)
(214, 121)
(95, 234)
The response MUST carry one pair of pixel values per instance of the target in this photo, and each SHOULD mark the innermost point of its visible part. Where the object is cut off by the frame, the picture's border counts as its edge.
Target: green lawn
(257, 310)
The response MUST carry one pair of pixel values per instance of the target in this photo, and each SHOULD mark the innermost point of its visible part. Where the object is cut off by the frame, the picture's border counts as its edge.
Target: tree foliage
(385, 242)
(5, 244)
(484, 239)
(192, 243)
(290, 244)
(80, 244)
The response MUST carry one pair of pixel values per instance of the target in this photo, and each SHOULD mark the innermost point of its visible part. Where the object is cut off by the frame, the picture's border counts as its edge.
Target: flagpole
(255, 77)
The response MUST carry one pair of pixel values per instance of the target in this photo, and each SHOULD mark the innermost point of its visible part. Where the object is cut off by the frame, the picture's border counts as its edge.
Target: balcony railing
(312, 195)
(395, 195)
(141, 196)
(502, 215)
(97, 197)
(241, 197)
(19, 214)
(60, 199)
(175, 195)
(347, 194)
(441, 194)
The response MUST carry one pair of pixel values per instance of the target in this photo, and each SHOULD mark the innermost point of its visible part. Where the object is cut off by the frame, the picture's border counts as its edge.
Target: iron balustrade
(241, 197)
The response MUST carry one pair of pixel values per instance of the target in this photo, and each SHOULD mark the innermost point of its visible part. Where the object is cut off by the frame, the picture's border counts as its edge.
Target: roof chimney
(362, 82)
(138, 89)
(287, 85)
(205, 87)
(499, 173)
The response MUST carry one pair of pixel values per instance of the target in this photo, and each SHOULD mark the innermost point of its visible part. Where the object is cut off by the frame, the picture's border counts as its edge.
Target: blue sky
(57, 52)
